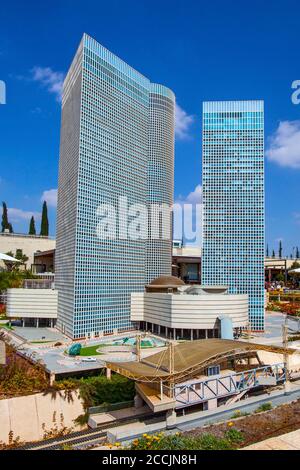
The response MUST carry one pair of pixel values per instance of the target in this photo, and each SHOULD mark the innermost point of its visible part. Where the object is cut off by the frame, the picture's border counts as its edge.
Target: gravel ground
(260, 426)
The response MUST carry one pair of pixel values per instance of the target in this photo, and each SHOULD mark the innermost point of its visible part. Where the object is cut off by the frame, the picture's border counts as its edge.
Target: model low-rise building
(171, 308)
(35, 304)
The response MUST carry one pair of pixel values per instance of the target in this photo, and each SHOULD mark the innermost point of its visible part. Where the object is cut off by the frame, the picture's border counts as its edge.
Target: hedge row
(97, 390)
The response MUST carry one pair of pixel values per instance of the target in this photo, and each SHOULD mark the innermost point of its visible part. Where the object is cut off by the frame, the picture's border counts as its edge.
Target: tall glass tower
(233, 200)
(160, 177)
(114, 125)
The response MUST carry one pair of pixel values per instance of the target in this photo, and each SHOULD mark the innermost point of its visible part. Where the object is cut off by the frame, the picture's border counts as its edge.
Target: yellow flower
(117, 444)
(145, 435)
(230, 423)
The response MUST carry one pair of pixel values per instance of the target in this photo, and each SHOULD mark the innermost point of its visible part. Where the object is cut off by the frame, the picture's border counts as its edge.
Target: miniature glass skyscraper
(233, 200)
(108, 137)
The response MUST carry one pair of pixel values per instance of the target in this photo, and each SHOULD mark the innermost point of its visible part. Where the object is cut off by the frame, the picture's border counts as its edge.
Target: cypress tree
(267, 251)
(5, 224)
(32, 230)
(273, 254)
(297, 252)
(44, 221)
(280, 249)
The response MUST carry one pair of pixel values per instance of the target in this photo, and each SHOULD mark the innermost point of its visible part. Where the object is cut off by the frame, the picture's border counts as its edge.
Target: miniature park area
(24, 375)
(240, 429)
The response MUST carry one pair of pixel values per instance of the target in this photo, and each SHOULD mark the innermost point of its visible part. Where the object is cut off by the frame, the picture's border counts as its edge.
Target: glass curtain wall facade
(104, 154)
(160, 178)
(233, 200)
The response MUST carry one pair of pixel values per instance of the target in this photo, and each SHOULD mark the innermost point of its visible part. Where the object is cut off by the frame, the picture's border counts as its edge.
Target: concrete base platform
(133, 430)
(153, 398)
(111, 416)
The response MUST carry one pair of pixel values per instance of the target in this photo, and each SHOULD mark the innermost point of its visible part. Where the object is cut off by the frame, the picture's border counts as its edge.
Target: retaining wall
(28, 417)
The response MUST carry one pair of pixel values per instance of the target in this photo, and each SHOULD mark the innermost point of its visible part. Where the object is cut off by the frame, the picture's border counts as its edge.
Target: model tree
(22, 260)
(32, 230)
(295, 265)
(44, 221)
(21, 256)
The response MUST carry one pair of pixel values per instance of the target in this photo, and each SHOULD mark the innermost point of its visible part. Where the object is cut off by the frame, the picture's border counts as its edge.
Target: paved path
(289, 441)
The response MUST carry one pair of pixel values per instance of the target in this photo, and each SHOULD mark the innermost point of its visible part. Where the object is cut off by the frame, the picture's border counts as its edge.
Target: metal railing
(226, 385)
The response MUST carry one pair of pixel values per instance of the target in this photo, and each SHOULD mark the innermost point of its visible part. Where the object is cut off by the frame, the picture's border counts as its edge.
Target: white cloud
(284, 148)
(51, 80)
(183, 122)
(50, 196)
(18, 215)
(187, 222)
(297, 217)
(194, 197)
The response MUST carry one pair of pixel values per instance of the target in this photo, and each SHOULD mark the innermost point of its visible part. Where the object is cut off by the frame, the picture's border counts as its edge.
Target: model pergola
(184, 361)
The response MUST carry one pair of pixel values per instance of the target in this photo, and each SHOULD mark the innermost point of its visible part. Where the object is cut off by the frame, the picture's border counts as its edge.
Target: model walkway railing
(227, 385)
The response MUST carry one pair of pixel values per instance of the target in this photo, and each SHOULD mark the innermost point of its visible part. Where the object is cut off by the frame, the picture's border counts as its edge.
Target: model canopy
(5, 257)
(189, 358)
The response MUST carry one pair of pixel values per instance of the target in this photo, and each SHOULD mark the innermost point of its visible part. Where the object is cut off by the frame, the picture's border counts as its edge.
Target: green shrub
(19, 376)
(234, 436)
(264, 407)
(9, 279)
(211, 442)
(97, 390)
(82, 419)
(178, 441)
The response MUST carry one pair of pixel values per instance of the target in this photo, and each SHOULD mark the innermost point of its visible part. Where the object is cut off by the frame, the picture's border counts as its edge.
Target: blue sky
(202, 50)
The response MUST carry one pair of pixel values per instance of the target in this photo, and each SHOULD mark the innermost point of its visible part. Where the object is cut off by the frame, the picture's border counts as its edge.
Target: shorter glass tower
(233, 200)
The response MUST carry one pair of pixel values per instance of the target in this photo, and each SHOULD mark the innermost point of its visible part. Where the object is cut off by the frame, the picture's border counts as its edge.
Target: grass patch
(264, 407)
(239, 414)
(90, 350)
(6, 326)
